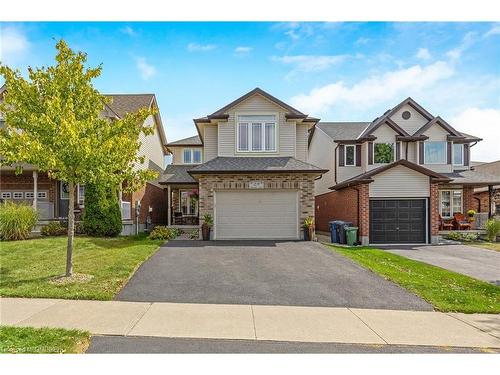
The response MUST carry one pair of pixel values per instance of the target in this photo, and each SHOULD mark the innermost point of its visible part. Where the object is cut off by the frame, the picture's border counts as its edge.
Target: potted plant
(471, 214)
(309, 228)
(208, 221)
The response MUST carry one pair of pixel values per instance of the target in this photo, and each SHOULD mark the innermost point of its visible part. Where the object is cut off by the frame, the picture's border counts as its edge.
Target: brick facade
(150, 196)
(304, 182)
(434, 209)
(468, 199)
(24, 182)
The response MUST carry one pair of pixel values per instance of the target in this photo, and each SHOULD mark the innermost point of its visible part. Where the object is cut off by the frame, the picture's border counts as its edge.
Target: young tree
(54, 120)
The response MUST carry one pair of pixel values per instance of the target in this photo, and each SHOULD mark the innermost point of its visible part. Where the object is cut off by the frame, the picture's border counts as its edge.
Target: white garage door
(264, 214)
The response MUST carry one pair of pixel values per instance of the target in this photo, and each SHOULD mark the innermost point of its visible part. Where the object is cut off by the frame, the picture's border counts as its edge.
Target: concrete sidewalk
(256, 322)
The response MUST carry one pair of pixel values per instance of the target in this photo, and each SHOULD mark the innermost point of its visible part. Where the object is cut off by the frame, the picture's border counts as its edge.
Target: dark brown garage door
(397, 221)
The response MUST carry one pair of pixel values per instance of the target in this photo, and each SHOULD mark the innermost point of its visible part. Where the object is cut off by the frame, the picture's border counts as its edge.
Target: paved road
(262, 273)
(122, 344)
(479, 263)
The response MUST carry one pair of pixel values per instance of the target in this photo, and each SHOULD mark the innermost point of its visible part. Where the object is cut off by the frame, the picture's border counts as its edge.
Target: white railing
(126, 210)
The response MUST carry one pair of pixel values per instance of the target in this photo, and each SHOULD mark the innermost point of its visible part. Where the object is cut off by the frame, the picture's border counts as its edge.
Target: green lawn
(445, 290)
(27, 340)
(27, 267)
(486, 245)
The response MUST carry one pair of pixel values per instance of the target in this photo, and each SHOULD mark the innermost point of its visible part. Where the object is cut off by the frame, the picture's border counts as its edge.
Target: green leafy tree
(102, 216)
(54, 120)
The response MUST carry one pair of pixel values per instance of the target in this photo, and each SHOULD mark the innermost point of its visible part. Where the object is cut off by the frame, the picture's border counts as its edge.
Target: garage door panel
(256, 214)
(397, 221)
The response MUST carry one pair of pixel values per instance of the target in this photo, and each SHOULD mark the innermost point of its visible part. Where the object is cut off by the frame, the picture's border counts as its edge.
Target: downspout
(335, 163)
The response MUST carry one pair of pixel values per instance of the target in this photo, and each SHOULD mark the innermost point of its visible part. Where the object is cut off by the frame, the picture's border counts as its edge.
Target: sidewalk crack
(370, 328)
(139, 319)
(473, 326)
(253, 320)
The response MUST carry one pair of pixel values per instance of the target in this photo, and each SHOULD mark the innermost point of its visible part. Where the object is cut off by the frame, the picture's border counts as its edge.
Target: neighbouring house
(248, 168)
(488, 198)
(398, 178)
(144, 207)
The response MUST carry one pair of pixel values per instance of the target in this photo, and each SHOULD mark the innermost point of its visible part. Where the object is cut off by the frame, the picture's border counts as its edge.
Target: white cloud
(147, 70)
(468, 40)
(310, 63)
(423, 54)
(483, 123)
(195, 47)
(128, 31)
(13, 44)
(374, 90)
(495, 30)
(242, 50)
(361, 41)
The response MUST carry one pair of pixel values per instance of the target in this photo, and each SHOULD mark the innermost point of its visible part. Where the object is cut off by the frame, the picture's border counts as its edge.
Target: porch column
(35, 189)
(169, 203)
(490, 205)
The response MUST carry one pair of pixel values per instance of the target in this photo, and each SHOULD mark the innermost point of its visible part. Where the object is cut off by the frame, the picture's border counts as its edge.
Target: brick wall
(482, 201)
(336, 205)
(434, 208)
(24, 182)
(364, 210)
(154, 196)
(469, 202)
(304, 182)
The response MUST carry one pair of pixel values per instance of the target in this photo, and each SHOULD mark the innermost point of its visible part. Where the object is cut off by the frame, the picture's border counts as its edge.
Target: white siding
(178, 153)
(151, 147)
(399, 182)
(437, 134)
(415, 122)
(321, 154)
(210, 142)
(256, 105)
(301, 142)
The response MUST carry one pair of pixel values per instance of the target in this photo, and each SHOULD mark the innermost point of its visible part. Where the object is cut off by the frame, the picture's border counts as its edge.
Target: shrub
(194, 235)
(309, 222)
(54, 228)
(208, 220)
(492, 229)
(102, 215)
(161, 232)
(463, 236)
(16, 220)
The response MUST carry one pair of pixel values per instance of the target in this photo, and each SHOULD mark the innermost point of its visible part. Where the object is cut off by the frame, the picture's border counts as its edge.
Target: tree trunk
(71, 229)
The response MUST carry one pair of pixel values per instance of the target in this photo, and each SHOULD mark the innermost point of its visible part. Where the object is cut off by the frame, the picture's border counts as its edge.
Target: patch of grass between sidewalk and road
(27, 340)
(101, 266)
(447, 291)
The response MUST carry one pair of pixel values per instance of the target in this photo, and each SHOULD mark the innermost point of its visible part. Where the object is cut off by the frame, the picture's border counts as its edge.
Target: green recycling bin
(352, 235)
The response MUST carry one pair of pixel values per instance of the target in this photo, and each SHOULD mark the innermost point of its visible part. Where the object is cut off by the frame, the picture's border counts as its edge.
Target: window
(18, 195)
(192, 156)
(256, 133)
(450, 202)
(458, 154)
(81, 195)
(383, 153)
(6, 195)
(434, 152)
(29, 195)
(188, 202)
(42, 195)
(406, 115)
(350, 155)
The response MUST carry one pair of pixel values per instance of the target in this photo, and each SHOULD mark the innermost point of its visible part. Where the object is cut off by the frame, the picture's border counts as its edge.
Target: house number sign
(256, 185)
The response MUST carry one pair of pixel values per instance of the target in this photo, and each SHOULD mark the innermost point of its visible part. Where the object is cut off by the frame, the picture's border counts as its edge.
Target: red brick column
(434, 209)
(469, 202)
(364, 213)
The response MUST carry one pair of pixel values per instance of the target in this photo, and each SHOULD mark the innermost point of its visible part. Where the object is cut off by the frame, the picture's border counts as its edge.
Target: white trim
(188, 206)
(385, 143)
(445, 152)
(453, 154)
(451, 202)
(6, 195)
(263, 135)
(191, 151)
(345, 156)
(20, 193)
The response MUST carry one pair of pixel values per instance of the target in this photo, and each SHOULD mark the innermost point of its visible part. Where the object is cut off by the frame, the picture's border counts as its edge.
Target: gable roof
(292, 113)
(491, 168)
(439, 121)
(342, 130)
(366, 177)
(474, 177)
(177, 174)
(190, 141)
(122, 104)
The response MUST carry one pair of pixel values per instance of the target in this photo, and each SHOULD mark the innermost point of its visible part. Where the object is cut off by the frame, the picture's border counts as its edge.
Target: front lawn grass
(27, 340)
(486, 245)
(28, 267)
(447, 291)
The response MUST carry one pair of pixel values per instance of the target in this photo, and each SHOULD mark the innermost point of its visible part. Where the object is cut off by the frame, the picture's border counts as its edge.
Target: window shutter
(398, 150)
(420, 152)
(341, 155)
(466, 154)
(370, 153)
(448, 153)
(358, 155)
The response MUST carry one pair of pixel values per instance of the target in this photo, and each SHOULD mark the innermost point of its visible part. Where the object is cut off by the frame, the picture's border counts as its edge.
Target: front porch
(183, 206)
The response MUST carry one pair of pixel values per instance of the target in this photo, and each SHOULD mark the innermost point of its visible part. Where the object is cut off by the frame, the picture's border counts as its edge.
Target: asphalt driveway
(479, 263)
(262, 273)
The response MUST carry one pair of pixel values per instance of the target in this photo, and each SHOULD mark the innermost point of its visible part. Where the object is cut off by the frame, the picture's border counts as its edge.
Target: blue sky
(335, 71)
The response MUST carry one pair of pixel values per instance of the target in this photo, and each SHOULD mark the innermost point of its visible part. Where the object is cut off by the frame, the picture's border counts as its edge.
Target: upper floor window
(350, 155)
(383, 153)
(458, 154)
(434, 152)
(192, 156)
(256, 133)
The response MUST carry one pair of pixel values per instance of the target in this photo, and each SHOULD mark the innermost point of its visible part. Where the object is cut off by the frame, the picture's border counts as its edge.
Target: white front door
(256, 214)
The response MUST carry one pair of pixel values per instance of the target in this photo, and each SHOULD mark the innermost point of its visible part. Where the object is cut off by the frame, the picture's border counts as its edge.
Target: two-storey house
(248, 168)
(51, 197)
(396, 178)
